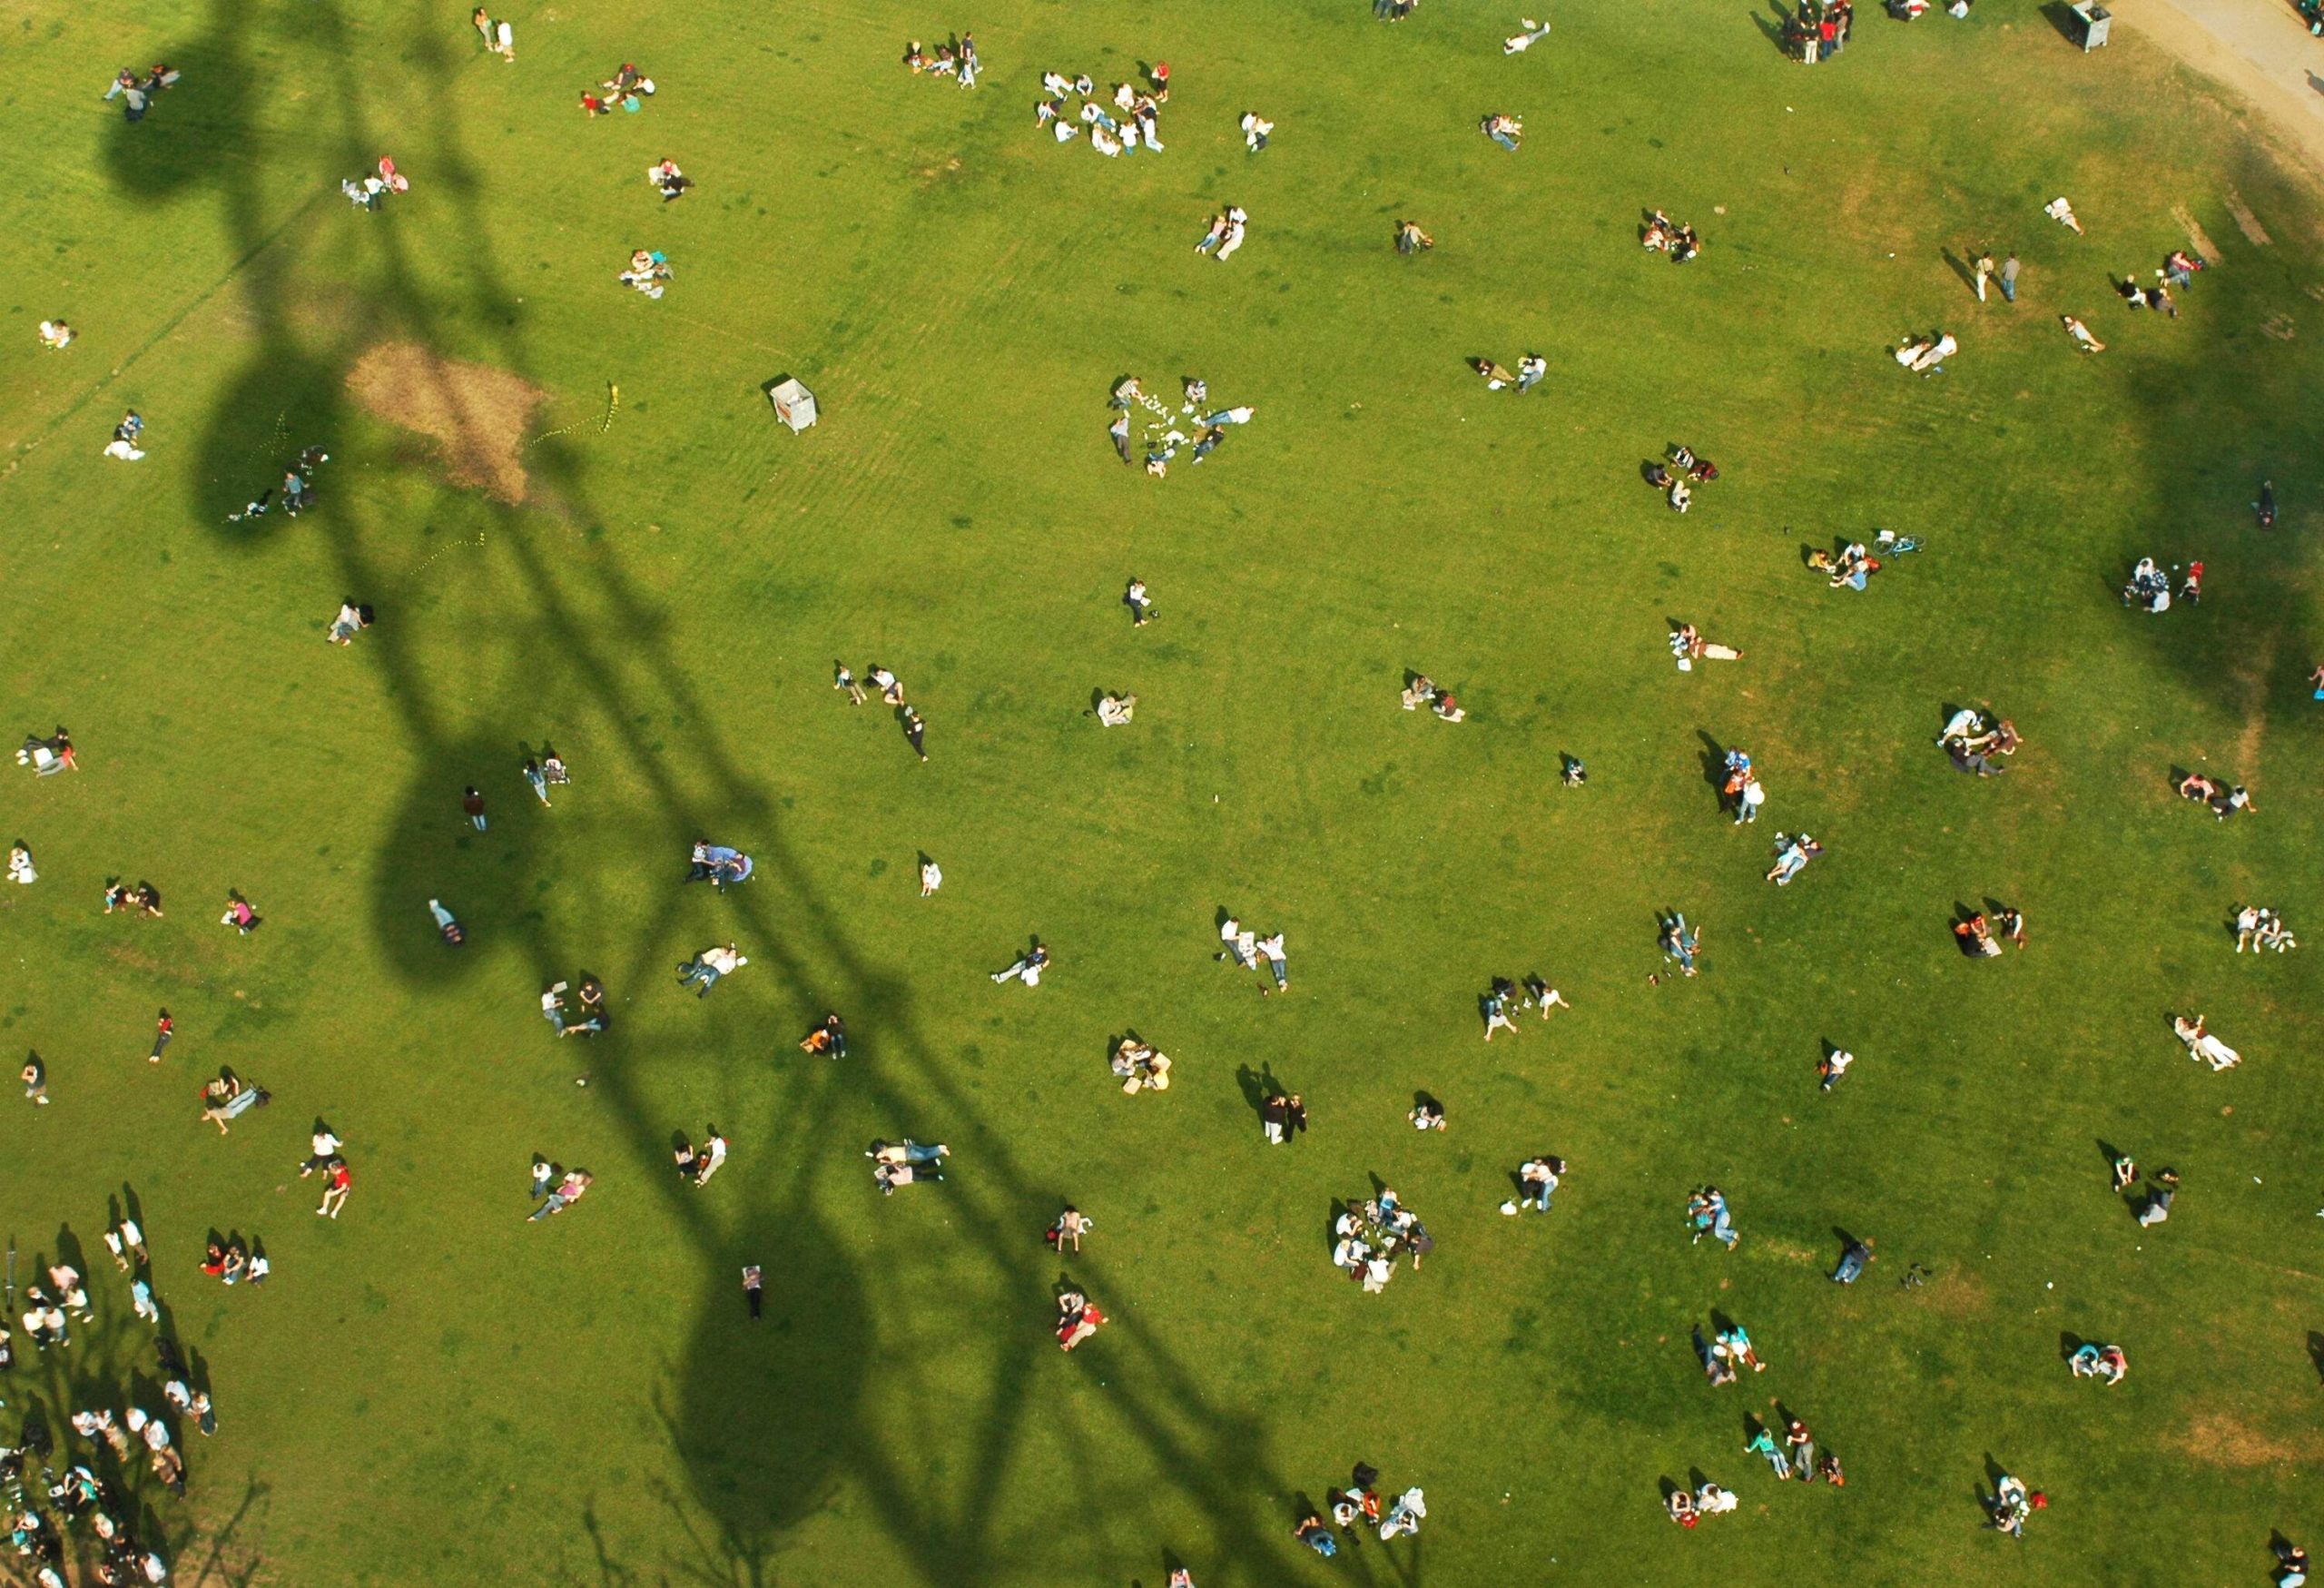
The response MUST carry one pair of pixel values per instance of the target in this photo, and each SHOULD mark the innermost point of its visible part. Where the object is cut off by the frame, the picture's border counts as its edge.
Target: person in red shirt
(335, 1191)
(163, 1028)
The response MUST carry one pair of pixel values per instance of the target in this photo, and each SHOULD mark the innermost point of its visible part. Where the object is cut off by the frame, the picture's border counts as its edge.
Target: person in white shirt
(931, 876)
(1255, 128)
(1237, 223)
(1231, 934)
(326, 1147)
(712, 1154)
(1272, 947)
(1518, 43)
(709, 965)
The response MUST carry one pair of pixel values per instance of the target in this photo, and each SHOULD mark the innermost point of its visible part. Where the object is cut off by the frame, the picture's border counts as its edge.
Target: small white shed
(794, 405)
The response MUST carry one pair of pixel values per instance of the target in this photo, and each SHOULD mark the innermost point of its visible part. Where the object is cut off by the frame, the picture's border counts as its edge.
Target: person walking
(1294, 1116)
(1272, 1114)
(163, 1029)
(1801, 1448)
(2009, 279)
(472, 802)
(754, 1288)
(916, 731)
(1985, 269)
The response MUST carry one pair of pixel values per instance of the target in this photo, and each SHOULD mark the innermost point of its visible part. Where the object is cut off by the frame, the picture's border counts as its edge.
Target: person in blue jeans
(1719, 1226)
(1763, 1442)
(1852, 1262)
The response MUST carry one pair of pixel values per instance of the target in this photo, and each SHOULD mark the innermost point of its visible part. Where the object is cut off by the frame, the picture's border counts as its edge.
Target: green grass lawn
(432, 1391)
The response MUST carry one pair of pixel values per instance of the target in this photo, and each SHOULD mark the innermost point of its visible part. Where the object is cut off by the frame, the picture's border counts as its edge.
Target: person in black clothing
(915, 730)
(1273, 1113)
(753, 1288)
(1294, 1114)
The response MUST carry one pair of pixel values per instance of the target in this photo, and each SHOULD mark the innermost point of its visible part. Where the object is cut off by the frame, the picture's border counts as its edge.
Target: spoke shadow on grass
(765, 1425)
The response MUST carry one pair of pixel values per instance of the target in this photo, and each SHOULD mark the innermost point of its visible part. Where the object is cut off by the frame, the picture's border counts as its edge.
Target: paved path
(2258, 48)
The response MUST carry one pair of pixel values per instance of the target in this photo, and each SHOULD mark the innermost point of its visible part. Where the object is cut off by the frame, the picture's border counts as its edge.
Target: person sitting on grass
(1447, 708)
(668, 180)
(1116, 711)
(1976, 936)
(1077, 1318)
(2102, 1362)
(828, 1035)
(352, 620)
(1420, 692)
(1502, 130)
(2196, 786)
(1411, 239)
(648, 269)
(1495, 377)
(1139, 1067)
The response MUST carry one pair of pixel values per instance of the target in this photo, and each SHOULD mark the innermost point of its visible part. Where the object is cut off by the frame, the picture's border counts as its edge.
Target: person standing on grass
(1294, 1116)
(1985, 269)
(164, 1027)
(1801, 1447)
(1539, 1178)
(1272, 1114)
(34, 1076)
(916, 732)
(754, 1288)
(2009, 279)
(931, 877)
(472, 802)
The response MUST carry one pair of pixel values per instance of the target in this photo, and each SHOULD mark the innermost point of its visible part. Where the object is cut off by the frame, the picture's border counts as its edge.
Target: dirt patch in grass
(476, 415)
(2245, 220)
(2220, 1440)
(2204, 246)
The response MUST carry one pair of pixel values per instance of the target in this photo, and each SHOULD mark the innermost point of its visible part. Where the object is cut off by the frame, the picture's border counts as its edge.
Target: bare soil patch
(477, 416)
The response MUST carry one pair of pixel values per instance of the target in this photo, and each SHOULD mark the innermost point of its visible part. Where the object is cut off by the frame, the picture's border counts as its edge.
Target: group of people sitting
(1661, 234)
(227, 1095)
(1077, 1318)
(2260, 929)
(957, 59)
(1680, 942)
(353, 617)
(1139, 1066)
(1368, 1239)
(627, 89)
(367, 192)
(2150, 586)
(649, 268)
(717, 864)
(1493, 1003)
(1163, 435)
(592, 1019)
(1502, 130)
(1116, 711)
(1818, 29)
(2224, 802)
(47, 757)
(827, 1036)
(2011, 1504)
(2106, 1363)
(1421, 690)
(1981, 938)
(1972, 739)
(144, 899)
(1530, 370)
(2202, 1046)
(1677, 487)
(905, 1163)
(1688, 1509)
(80, 1496)
(695, 1165)
(1854, 566)
(667, 180)
(1133, 119)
